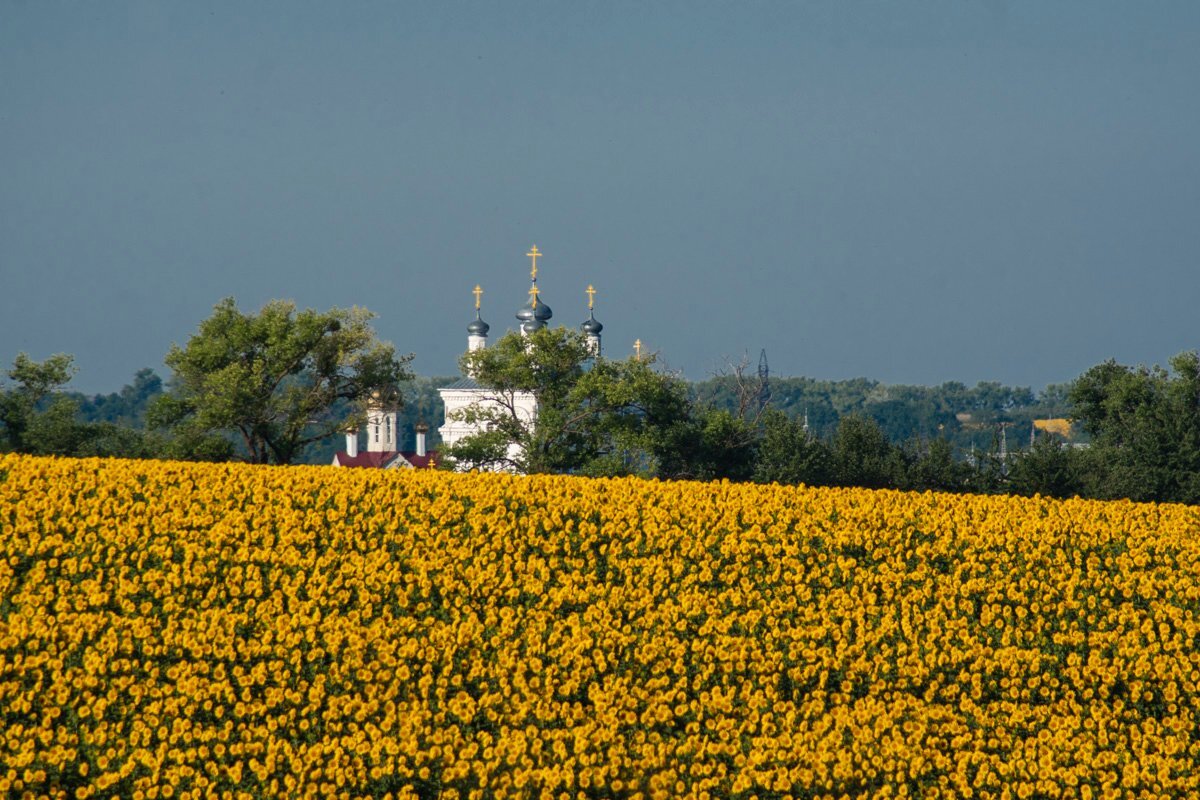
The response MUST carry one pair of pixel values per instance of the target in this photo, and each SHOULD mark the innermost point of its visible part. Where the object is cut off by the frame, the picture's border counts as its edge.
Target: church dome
(539, 312)
(591, 326)
(478, 327)
(531, 325)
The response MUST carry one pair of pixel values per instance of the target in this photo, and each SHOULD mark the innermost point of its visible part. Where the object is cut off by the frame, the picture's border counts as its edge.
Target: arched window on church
(388, 430)
(376, 431)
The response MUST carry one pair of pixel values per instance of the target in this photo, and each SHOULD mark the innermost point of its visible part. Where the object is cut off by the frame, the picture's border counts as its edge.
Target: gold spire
(533, 295)
(478, 292)
(533, 256)
(591, 293)
(637, 348)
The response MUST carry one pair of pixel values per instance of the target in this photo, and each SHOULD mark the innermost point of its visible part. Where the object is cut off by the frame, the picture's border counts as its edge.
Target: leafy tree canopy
(126, 407)
(863, 456)
(931, 466)
(787, 453)
(594, 415)
(38, 417)
(1049, 468)
(270, 381)
(34, 383)
(1145, 425)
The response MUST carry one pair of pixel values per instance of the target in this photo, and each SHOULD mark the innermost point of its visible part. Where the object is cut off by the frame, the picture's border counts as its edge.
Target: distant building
(1061, 427)
(381, 450)
(465, 394)
(460, 397)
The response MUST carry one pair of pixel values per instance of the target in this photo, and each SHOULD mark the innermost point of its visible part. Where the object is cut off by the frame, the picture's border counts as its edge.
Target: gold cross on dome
(533, 255)
(533, 294)
(591, 293)
(637, 347)
(478, 292)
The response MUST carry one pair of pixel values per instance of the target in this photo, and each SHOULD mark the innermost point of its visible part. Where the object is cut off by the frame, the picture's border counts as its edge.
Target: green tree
(594, 415)
(1049, 468)
(126, 407)
(933, 467)
(705, 444)
(37, 383)
(863, 456)
(39, 418)
(270, 381)
(787, 453)
(1145, 428)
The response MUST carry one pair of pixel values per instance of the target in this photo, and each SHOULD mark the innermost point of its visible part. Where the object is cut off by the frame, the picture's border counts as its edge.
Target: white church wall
(457, 401)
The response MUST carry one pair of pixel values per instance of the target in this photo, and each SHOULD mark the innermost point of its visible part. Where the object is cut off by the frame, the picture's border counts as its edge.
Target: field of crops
(176, 630)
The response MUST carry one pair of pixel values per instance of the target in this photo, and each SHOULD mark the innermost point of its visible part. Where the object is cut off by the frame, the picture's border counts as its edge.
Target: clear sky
(913, 192)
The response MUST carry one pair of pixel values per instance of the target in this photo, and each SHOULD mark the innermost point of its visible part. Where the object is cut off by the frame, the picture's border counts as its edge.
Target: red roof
(426, 461)
(381, 460)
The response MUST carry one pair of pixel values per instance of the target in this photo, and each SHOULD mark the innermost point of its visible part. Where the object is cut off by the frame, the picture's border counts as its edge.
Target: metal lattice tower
(1004, 426)
(764, 381)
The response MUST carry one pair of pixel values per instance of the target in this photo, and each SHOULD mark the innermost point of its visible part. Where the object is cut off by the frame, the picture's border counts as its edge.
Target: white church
(461, 396)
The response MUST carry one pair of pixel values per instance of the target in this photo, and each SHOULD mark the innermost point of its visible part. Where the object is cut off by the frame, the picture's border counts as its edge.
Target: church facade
(465, 395)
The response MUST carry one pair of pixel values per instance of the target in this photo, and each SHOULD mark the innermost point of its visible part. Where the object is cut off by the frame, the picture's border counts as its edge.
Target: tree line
(967, 416)
(280, 385)
(261, 387)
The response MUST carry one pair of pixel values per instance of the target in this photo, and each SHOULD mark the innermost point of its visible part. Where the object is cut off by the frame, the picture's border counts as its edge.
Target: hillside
(304, 630)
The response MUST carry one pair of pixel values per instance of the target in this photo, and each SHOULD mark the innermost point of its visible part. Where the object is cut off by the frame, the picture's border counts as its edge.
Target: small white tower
(591, 327)
(381, 427)
(477, 331)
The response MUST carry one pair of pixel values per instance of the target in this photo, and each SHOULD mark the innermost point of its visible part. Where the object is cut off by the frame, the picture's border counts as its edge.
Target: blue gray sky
(914, 192)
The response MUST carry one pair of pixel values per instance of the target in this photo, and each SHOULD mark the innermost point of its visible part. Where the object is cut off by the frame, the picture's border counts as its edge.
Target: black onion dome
(541, 312)
(478, 327)
(591, 326)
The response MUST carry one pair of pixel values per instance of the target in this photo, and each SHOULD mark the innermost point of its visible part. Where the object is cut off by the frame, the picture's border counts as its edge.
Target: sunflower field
(174, 630)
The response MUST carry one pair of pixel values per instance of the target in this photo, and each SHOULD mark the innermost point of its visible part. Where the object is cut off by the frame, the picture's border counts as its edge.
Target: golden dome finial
(533, 256)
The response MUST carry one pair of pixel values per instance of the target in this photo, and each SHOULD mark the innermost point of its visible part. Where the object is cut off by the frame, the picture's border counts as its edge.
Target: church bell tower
(381, 427)
(591, 327)
(477, 331)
